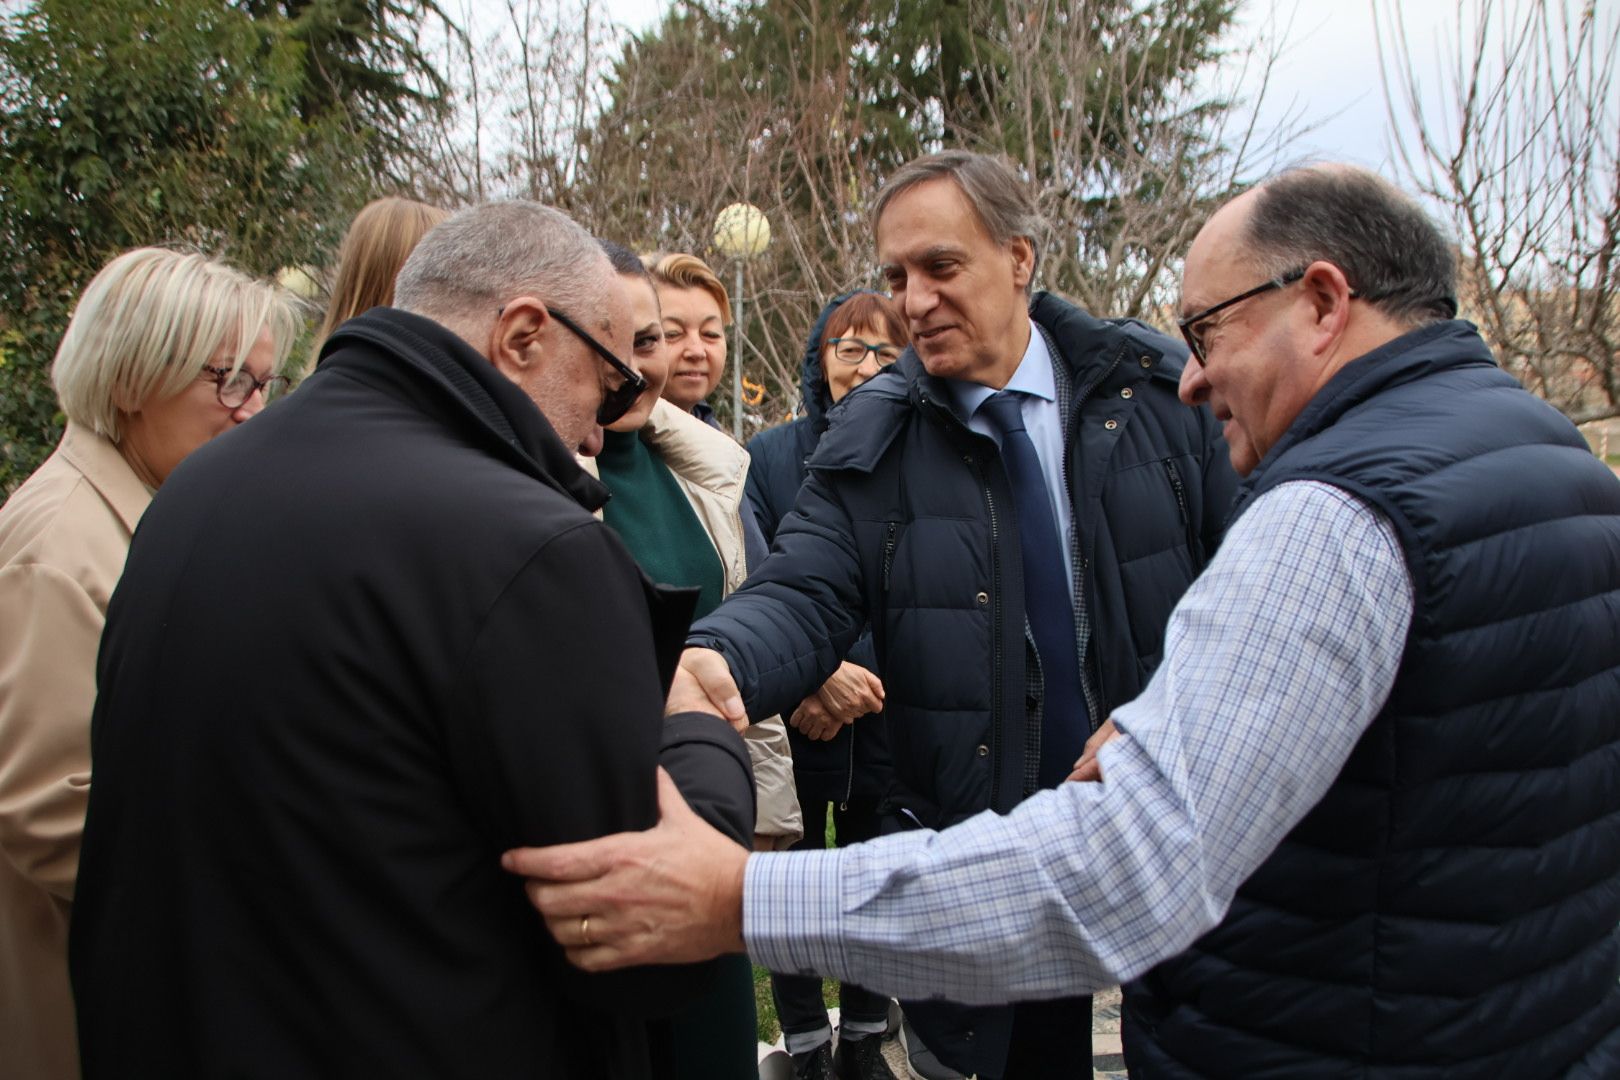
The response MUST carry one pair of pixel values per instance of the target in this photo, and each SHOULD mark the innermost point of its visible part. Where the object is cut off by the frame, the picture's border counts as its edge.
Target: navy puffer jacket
(854, 765)
(898, 525)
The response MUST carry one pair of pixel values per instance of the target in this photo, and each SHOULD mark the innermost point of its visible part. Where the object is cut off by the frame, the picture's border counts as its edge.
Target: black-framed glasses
(233, 388)
(1189, 325)
(852, 351)
(617, 401)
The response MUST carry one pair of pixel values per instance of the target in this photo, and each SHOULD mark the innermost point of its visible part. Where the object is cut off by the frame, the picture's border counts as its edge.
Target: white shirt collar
(1033, 376)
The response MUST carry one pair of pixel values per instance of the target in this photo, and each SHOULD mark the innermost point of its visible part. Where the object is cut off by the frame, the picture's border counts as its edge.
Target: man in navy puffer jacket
(909, 520)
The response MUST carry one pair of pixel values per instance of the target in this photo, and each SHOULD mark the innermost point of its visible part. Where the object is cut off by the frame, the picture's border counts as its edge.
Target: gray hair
(464, 269)
(1391, 252)
(999, 197)
(151, 320)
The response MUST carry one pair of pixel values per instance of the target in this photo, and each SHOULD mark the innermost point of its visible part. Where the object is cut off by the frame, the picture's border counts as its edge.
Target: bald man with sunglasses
(355, 656)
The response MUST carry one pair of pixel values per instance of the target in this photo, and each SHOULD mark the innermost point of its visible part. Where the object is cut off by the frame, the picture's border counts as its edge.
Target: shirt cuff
(793, 910)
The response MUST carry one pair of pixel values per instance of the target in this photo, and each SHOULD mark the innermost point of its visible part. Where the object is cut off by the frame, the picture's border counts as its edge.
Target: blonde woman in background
(380, 239)
(696, 312)
(165, 351)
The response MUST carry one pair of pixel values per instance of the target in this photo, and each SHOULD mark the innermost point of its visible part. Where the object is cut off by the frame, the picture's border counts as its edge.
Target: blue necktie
(1064, 719)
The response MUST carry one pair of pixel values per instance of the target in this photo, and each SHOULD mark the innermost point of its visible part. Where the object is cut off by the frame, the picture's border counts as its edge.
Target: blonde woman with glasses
(165, 351)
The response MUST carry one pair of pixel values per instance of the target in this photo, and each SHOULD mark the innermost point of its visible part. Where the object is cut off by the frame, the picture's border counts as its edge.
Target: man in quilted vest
(1365, 818)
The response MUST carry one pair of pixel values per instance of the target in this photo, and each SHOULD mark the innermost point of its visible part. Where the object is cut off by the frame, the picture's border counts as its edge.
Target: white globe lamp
(741, 232)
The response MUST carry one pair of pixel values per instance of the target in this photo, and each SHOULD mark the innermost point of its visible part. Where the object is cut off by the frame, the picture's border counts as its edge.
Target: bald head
(497, 275)
(1391, 252)
(1289, 282)
(464, 269)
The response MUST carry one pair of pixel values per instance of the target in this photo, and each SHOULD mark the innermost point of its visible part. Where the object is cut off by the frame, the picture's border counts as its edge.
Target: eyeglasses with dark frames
(233, 388)
(853, 351)
(617, 401)
(1189, 326)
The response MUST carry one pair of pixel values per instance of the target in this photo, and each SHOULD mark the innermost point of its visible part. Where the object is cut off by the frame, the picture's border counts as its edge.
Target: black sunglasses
(617, 401)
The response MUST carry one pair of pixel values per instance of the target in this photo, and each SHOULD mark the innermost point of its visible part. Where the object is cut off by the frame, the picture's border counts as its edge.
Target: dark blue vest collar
(1414, 355)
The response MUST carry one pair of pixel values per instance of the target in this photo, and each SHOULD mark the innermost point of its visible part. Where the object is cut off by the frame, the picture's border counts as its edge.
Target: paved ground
(1105, 1050)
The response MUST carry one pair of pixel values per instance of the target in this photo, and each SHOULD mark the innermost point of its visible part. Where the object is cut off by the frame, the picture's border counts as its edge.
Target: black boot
(861, 1059)
(814, 1064)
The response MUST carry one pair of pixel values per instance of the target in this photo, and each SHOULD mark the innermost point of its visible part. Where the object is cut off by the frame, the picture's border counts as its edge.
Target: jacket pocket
(906, 811)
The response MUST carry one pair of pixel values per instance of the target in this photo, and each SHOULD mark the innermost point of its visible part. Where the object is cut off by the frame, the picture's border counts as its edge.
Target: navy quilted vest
(1449, 908)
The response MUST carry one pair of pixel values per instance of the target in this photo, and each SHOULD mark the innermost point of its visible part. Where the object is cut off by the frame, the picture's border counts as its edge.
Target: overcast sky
(1328, 73)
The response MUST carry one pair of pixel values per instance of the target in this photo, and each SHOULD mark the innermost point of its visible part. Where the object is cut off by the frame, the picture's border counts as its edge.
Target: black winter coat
(854, 765)
(363, 645)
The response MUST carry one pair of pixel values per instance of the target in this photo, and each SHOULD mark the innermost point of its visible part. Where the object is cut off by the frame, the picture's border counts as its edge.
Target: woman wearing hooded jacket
(840, 754)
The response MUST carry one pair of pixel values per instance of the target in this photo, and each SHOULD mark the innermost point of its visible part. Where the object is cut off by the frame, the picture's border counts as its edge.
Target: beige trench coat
(64, 535)
(711, 469)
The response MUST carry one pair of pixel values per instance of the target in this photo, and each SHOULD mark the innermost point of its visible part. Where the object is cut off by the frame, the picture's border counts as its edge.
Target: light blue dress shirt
(1038, 400)
(1276, 660)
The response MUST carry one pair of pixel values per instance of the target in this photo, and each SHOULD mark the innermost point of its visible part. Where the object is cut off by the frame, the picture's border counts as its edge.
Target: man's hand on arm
(1087, 767)
(703, 683)
(669, 895)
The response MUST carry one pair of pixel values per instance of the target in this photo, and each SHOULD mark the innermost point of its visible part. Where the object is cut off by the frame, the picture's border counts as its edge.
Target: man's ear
(1328, 292)
(514, 338)
(1022, 251)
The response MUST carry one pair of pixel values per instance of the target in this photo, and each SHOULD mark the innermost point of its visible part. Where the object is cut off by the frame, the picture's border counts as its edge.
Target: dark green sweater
(713, 1038)
(652, 516)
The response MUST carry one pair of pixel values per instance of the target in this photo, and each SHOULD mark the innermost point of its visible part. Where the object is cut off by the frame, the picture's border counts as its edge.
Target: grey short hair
(465, 268)
(998, 195)
(1391, 252)
(148, 323)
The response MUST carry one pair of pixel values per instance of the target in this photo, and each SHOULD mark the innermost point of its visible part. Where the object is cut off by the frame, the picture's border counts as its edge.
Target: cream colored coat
(64, 535)
(710, 468)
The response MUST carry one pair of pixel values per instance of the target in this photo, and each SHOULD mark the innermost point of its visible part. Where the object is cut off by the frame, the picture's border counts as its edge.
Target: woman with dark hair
(840, 755)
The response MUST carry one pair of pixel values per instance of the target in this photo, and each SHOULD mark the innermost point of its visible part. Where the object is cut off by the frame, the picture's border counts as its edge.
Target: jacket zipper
(849, 775)
(1092, 694)
(888, 552)
(1186, 514)
(949, 418)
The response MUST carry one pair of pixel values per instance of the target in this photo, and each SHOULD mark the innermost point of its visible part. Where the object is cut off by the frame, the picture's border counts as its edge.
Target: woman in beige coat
(165, 351)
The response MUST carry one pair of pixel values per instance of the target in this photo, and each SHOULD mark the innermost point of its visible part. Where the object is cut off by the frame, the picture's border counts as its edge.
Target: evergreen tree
(362, 62)
(128, 122)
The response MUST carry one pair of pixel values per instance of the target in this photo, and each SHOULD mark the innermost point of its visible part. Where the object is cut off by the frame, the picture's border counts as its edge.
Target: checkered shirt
(1276, 660)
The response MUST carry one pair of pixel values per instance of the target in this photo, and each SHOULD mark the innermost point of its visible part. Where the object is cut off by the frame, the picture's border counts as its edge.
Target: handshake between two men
(673, 894)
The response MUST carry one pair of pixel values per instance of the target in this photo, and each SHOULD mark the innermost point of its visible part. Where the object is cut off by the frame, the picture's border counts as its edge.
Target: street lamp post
(741, 232)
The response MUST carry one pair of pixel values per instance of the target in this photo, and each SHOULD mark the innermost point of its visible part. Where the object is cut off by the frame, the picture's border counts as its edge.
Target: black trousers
(1051, 1040)
(798, 997)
